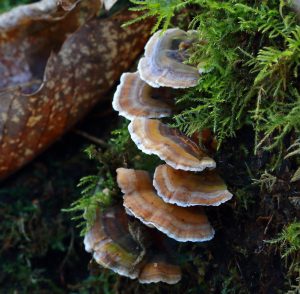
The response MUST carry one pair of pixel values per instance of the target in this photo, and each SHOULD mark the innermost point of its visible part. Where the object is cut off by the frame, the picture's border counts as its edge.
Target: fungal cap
(153, 137)
(111, 244)
(133, 99)
(180, 223)
(163, 64)
(188, 189)
(159, 269)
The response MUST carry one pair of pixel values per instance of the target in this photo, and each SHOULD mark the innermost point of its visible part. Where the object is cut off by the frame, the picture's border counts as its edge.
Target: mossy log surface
(41, 249)
(252, 252)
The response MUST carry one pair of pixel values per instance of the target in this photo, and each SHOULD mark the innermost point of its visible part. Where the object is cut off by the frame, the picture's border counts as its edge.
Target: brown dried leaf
(75, 78)
(25, 16)
(29, 33)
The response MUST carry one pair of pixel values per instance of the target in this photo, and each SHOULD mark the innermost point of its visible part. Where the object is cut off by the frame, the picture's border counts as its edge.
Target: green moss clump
(101, 190)
(288, 243)
(250, 51)
(289, 240)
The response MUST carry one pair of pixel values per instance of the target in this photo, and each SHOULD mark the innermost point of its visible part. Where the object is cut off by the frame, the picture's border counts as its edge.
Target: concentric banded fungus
(111, 243)
(188, 189)
(163, 64)
(160, 269)
(133, 98)
(180, 152)
(114, 246)
(140, 199)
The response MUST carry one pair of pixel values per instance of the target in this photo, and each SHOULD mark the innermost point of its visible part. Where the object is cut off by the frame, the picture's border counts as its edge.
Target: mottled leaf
(33, 113)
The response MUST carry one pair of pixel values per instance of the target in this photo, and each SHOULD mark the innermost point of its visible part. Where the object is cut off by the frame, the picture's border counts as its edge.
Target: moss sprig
(250, 51)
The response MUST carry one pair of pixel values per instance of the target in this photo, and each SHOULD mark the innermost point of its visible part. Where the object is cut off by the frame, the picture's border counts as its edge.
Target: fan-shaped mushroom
(163, 64)
(159, 269)
(116, 247)
(153, 137)
(140, 199)
(189, 189)
(111, 243)
(134, 98)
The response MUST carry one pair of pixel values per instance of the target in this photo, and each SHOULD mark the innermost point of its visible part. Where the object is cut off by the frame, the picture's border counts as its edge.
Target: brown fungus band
(153, 137)
(140, 200)
(159, 269)
(189, 189)
(115, 247)
(111, 243)
(163, 64)
(135, 98)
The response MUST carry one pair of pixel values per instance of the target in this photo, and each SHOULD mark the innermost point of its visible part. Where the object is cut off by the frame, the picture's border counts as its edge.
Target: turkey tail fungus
(188, 189)
(115, 246)
(163, 64)
(163, 203)
(160, 269)
(135, 98)
(54, 68)
(111, 243)
(153, 137)
(140, 200)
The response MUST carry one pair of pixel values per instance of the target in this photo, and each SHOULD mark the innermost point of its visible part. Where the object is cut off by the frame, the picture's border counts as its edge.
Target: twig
(70, 248)
(238, 266)
(267, 226)
(91, 138)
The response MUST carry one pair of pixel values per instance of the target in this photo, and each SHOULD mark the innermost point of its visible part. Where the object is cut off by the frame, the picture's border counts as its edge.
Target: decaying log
(51, 77)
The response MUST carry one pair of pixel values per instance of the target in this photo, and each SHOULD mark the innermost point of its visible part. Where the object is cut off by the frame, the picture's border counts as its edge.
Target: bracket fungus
(153, 137)
(159, 269)
(115, 247)
(188, 189)
(163, 64)
(111, 243)
(140, 200)
(134, 98)
(163, 205)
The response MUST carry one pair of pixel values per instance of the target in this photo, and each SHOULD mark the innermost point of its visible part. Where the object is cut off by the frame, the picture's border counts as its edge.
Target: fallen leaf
(29, 33)
(88, 63)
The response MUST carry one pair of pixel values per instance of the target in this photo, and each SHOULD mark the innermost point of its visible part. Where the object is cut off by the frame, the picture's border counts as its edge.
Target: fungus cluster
(172, 201)
(130, 249)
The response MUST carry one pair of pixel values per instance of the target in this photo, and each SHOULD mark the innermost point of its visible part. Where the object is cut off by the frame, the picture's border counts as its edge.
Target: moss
(288, 243)
(101, 190)
(288, 240)
(250, 50)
